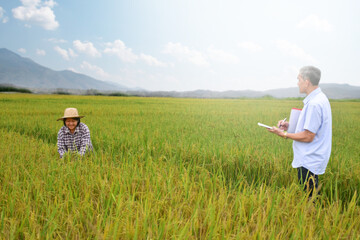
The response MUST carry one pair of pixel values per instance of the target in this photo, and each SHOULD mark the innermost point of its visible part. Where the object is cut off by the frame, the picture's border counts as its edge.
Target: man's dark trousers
(308, 179)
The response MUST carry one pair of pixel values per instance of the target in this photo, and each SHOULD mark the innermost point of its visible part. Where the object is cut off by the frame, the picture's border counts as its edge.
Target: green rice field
(169, 168)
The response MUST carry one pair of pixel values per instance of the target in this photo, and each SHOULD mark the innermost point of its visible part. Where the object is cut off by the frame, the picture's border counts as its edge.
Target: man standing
(312, 137)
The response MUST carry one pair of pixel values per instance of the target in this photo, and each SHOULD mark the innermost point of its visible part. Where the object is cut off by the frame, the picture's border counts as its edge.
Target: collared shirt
(316, 118)
(79, 141)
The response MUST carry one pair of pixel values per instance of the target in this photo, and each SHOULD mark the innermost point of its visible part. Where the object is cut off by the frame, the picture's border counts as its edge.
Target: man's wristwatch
(285, 135)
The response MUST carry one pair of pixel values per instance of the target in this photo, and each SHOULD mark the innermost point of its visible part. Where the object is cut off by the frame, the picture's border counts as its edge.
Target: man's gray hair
(312, 74)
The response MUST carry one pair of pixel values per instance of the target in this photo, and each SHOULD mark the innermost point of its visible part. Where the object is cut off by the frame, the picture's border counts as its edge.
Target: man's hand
(277, 131)
(283, 125)
(304, 136)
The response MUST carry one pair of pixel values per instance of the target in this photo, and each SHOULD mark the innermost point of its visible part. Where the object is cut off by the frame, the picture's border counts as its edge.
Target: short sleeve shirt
(316, 118)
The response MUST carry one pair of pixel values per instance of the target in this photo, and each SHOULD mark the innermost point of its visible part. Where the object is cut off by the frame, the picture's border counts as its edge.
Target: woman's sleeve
(85, 141)
(61, 144)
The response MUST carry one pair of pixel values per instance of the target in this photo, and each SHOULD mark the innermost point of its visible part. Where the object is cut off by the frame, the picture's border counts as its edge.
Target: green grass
(166, 168)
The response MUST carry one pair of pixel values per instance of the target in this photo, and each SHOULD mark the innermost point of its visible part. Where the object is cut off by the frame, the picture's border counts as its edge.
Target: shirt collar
(77, 129)
(312, 95)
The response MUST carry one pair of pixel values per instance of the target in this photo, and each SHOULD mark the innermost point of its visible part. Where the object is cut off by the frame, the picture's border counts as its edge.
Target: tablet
(263, 125)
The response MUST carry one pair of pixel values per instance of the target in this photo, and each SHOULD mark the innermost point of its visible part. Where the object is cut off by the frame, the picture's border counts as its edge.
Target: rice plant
(166, 168)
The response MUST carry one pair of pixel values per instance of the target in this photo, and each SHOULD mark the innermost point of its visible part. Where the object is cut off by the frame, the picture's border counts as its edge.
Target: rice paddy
(166, 168)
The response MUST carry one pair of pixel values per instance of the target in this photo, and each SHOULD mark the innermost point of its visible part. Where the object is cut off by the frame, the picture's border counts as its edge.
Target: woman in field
(74, 136)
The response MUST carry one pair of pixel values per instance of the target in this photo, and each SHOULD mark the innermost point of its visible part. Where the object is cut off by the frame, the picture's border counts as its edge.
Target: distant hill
(24, 72)
(333, 91)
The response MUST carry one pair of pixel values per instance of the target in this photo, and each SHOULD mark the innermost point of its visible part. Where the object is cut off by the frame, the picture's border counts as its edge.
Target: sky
(184, 45)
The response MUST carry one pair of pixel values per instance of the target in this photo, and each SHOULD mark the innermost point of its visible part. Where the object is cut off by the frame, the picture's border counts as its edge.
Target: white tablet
(263, 125)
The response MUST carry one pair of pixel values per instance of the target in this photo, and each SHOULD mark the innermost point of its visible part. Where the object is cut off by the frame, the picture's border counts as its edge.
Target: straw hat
(70, 113)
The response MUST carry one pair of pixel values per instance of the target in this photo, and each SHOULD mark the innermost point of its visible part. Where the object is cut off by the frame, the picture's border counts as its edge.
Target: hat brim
(64, 117)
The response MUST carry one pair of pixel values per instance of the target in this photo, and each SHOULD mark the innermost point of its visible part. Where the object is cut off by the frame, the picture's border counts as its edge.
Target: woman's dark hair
(77, 119)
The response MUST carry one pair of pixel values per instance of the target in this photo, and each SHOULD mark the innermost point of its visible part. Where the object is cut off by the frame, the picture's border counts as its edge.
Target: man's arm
(304, 136)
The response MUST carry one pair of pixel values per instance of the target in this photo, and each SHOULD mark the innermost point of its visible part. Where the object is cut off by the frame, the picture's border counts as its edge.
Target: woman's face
(71, 124)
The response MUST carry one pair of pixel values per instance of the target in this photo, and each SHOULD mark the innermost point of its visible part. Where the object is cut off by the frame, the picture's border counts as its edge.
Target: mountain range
(23, 72)
(332, 90)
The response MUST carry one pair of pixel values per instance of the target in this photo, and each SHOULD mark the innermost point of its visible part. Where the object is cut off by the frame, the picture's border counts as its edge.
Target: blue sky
(187, 45)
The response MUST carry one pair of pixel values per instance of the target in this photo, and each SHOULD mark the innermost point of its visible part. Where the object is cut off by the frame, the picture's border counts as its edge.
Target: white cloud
(291, 49)
(314, 22)
(62, 52)
(66, 54)
(183, 53)
(152, 61)
(38, 13)
(222, 56)
(3, 18)
(72, 53)
(22, 50)
(98, 71)
(250, 46)
(40, 52)
(119, 49)
(87, 48)
(50, 3)
(30, 2)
